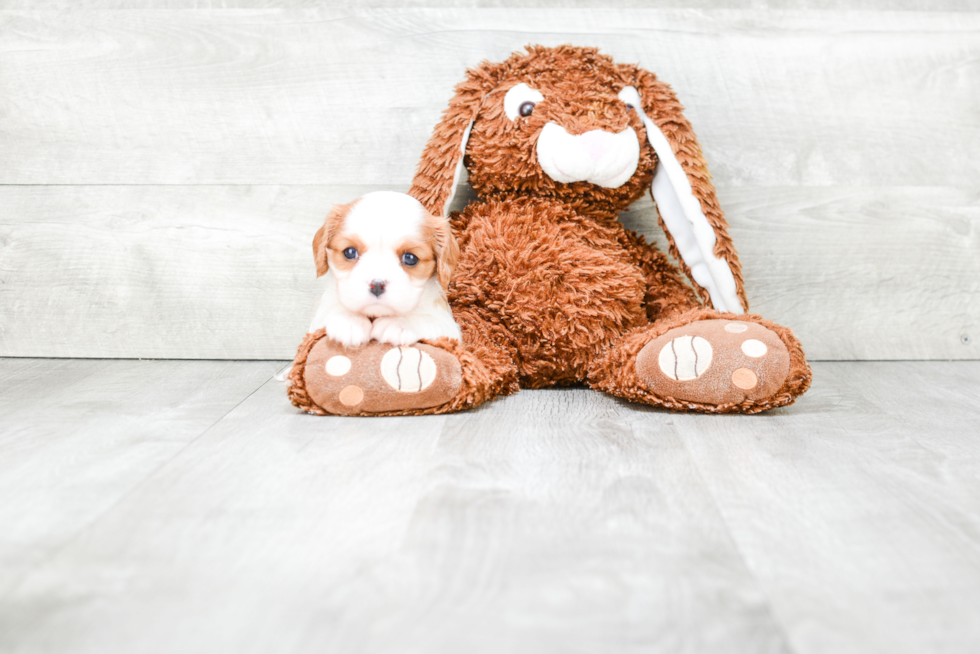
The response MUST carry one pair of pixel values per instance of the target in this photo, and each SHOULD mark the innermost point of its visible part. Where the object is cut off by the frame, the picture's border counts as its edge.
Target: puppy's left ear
(447, 250)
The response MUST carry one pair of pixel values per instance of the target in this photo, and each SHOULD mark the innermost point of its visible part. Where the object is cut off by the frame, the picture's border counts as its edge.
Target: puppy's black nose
(378, 287)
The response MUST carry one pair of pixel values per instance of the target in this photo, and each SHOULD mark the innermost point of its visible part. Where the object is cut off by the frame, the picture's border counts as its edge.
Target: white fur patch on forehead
(383, 215)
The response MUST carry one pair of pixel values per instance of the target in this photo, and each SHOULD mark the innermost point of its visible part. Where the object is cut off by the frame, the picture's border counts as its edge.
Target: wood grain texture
(550, 521)
(340, 96)
(227, 272)
(158, 272)
(858, 508)
(78, 436)
(842, 143)
(893, 5)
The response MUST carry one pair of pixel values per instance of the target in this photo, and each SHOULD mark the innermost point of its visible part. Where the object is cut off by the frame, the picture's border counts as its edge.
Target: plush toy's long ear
(442, 160)
(685, 197)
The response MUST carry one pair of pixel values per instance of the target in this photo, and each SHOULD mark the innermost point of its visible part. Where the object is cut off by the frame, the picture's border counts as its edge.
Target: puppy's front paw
(396, 331)
(348, 330)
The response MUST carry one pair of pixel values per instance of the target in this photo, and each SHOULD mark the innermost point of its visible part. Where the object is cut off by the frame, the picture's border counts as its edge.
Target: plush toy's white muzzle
(601, 158)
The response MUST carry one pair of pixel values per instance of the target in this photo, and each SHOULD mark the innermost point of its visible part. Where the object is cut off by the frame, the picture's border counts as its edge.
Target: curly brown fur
(297, 380)
(666, 293)
(536, 270)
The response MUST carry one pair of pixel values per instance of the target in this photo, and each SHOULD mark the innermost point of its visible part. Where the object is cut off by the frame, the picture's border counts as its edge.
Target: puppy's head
(383, 250)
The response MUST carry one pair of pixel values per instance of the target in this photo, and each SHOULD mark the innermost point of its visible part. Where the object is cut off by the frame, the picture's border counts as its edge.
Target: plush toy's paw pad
(715, 362)
(379, 378)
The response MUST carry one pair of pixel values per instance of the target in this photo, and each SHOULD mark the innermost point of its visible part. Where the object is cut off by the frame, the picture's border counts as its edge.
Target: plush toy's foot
(379, 378)
(710, 362)
(382, 379)
(715, 362)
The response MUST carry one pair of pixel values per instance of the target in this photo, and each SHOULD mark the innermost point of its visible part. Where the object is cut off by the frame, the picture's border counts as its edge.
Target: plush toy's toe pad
(380, 378)
(715, 362)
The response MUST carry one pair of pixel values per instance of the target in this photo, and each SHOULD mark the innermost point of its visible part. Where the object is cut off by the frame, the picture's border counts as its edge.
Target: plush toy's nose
(378, 287)
(596, 143)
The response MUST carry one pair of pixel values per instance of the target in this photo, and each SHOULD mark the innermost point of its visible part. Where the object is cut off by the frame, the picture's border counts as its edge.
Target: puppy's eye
(629, 107)
(350, 254)
(409, 259)
(526, 109)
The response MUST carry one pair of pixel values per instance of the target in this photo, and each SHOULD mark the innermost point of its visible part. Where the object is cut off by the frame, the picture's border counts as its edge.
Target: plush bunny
(550, 288)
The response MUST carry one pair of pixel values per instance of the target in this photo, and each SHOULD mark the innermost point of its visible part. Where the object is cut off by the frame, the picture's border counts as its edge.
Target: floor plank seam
(770, 607)
(122, 498)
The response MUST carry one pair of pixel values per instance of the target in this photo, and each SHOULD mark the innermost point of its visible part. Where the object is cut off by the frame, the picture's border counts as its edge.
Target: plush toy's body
(551, 289)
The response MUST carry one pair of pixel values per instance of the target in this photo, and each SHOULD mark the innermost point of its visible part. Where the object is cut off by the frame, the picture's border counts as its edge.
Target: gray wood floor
(184, 506)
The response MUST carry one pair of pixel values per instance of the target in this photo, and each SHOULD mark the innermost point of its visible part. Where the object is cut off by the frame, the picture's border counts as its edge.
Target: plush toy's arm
(666, 293)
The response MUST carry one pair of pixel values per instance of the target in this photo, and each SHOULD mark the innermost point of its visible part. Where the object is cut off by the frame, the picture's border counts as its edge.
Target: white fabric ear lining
(693, 235)
(458, 172)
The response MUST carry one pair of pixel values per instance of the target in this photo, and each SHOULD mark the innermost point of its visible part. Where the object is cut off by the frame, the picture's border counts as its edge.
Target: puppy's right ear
(321, 241)
(320, 251)
(439, 169)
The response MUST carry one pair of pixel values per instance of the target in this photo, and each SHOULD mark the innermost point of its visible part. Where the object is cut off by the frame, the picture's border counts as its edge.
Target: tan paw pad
(351, 395)
(744, 379)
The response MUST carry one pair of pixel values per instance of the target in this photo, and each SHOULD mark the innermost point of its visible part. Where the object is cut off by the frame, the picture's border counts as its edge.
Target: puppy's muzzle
(378, 287)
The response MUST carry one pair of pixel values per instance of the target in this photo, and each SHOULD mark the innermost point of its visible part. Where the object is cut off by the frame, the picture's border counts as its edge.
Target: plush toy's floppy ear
(442, 160)
(685, 197)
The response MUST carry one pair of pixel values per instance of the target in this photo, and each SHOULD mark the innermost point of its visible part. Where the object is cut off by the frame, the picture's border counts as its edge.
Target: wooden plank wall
(163, 166)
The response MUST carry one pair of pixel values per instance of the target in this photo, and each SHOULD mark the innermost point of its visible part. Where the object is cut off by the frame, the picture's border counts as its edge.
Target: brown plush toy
(550, 288)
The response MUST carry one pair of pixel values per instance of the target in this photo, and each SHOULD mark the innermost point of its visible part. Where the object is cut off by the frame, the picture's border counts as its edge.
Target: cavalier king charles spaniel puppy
(387, 262)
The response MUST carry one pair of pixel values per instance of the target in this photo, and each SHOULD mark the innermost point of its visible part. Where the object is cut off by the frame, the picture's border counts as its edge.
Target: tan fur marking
(425, 250)
(331, 226)
(446, 248)
(336, 248)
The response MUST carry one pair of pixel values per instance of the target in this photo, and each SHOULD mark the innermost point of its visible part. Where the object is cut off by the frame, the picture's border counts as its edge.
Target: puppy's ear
(320, 251)
(321, 241)
(447, 249)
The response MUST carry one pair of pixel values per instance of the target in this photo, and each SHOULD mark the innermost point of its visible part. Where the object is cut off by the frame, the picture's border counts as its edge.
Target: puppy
(388, 263)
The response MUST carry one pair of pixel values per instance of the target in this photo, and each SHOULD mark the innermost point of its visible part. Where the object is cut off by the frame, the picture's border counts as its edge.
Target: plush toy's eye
(520, 101)
(409, 259)
(350, 254)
